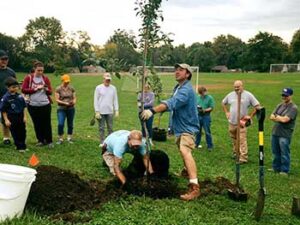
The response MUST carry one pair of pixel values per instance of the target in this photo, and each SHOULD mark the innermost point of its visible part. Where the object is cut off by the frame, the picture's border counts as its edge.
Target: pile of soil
(59, 193)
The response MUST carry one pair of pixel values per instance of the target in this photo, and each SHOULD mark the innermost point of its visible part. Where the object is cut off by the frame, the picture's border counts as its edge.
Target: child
(12, 107)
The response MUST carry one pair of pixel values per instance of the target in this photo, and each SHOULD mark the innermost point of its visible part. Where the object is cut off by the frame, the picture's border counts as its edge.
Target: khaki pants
(108, 158)
(243, 141)
(186, 141)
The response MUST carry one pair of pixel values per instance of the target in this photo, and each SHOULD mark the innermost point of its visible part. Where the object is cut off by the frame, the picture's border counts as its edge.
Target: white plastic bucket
(15, 183)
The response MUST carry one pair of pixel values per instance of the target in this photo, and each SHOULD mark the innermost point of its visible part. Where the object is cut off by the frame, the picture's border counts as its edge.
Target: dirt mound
(59, 193)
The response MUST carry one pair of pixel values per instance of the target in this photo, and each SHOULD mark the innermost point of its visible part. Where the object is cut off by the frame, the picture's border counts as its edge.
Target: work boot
(193, 192)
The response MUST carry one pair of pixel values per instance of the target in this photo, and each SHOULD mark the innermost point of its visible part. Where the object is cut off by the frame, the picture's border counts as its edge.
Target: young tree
(150, 37)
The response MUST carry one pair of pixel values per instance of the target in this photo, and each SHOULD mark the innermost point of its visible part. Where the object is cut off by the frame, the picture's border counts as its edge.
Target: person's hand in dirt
(118, 171)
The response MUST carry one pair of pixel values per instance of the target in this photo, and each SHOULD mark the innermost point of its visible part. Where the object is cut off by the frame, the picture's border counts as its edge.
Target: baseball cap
(10, 81)
(65, 78)
(3, 53)
(184, 66)
(287, 92)
(107, 76)
(136, 137)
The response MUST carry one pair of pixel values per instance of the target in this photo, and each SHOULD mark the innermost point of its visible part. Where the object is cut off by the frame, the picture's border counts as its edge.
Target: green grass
(84, 158)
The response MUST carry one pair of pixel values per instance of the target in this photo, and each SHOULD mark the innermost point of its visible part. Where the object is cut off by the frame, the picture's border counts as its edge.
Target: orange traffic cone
(33, 161)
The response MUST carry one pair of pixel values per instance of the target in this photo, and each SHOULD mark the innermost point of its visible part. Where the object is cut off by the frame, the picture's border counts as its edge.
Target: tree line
(45, 40)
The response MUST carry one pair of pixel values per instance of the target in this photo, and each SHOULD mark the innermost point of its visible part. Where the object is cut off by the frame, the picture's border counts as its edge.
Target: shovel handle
(237, 144)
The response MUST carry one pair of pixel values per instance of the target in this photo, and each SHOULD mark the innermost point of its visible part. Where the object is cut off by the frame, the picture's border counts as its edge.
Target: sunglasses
(4, 58)
(285, 96)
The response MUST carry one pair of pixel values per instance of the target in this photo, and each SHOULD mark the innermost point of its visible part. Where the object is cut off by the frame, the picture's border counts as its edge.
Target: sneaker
(209, 149)
(70, 141)
(23, 150)
(199, 146)
(283, 173)
(50, 145)
(60, 141)
(39, 144)
(6, 142)
(192, 193)
(272, 170)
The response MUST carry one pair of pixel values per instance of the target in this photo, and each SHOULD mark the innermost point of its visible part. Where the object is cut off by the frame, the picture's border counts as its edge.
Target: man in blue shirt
(117, 144)
(185, 122)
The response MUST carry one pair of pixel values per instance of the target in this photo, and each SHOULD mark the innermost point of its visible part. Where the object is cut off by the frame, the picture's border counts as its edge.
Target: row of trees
(45, 39)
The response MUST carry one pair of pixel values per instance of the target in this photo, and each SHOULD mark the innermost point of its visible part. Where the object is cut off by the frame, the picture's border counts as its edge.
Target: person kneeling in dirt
(117, 144)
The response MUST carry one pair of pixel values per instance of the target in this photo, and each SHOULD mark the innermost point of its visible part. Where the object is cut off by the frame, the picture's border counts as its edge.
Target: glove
(147, 113)
(245, 121)
(116, 113)
(98, 115)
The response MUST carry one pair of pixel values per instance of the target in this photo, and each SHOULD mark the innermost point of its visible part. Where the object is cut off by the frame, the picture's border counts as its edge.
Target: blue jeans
(281, 154)
(204, 122)
(62, 114)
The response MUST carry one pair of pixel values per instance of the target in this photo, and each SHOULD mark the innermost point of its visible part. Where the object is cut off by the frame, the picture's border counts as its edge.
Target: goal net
(285, 68)
(166, 75)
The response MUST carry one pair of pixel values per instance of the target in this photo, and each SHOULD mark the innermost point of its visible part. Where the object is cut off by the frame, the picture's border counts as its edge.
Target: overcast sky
(189, 20)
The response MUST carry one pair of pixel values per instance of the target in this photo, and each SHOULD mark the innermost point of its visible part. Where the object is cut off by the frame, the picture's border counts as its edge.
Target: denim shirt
(184, 106)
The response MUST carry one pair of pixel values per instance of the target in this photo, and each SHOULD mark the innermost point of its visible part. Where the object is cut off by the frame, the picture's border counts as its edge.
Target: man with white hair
(106, 105)
(117, 144)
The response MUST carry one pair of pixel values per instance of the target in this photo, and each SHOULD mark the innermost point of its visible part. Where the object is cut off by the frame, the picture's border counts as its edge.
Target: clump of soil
(220, 186)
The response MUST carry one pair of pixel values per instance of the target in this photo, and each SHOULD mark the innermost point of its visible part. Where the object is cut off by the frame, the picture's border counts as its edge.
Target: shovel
(260, 114)
(238, 194)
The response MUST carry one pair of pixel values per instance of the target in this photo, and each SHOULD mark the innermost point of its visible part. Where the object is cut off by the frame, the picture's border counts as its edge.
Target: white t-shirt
(247, 100)
(106, 99)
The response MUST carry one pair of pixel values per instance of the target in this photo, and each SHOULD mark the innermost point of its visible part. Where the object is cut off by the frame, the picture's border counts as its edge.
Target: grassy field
(83, 157)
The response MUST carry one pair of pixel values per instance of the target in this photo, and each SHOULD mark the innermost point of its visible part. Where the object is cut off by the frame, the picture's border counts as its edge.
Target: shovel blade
(260, 204)
(237, 195)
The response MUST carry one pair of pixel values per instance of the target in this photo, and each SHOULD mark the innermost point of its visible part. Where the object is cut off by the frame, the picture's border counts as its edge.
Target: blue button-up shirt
(184, 106)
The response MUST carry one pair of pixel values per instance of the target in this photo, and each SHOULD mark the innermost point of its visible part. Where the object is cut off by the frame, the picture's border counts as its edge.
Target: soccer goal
(166, 74)
(285, 68)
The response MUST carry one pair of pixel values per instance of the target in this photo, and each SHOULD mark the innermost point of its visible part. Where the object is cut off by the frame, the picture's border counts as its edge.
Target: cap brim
(136, 142)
